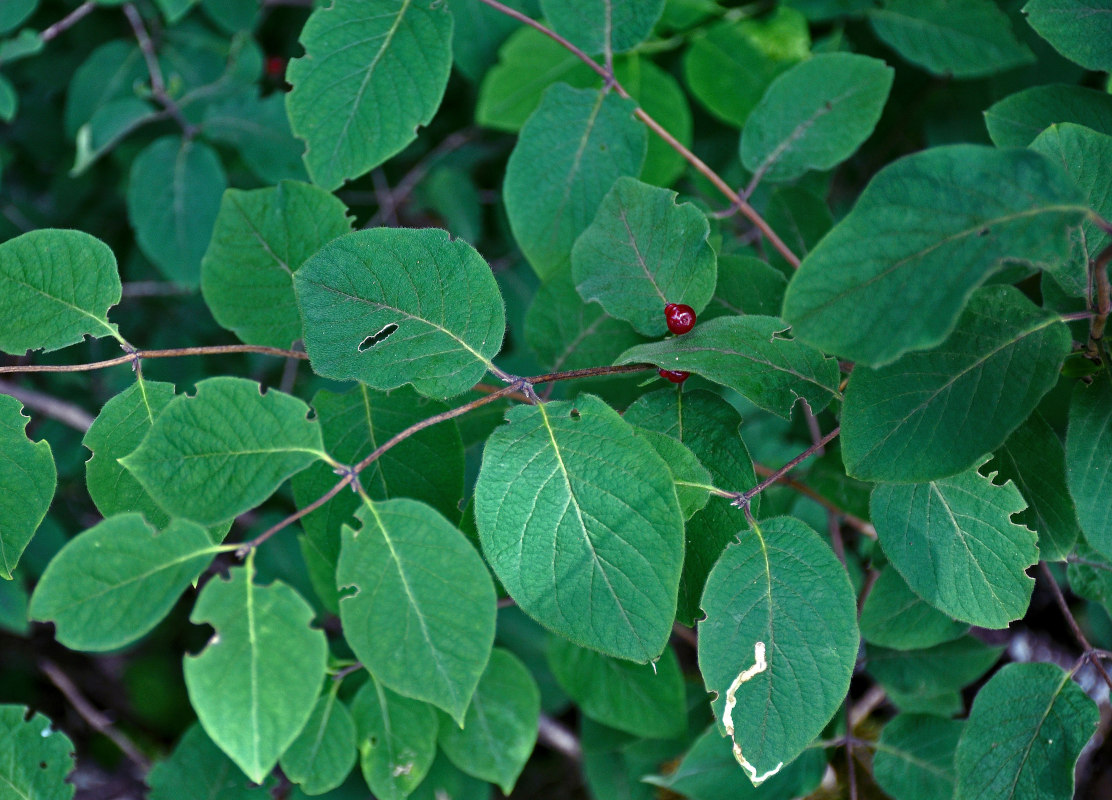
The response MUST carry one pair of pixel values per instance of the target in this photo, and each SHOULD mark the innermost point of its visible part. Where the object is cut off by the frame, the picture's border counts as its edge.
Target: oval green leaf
(358, 97)
(421, 618)
(895, 617)
(780, 636)
(1078, 29)
(936, 413)
(924, 235)
(389, 306)
(588, 541)
(954, 543)
(915, 757)
(256, 682)
(111, 584)
(397, 740)
(28, 479)
(56, 287)
(643, 251)
(595, 26)
(1088, 455)
(568, 155)
(322, 755)
(225, 450)
(35, 759)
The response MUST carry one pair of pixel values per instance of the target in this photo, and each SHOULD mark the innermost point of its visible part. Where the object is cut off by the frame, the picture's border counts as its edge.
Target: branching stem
(1090, 652)
(213, 350)
(742, 498)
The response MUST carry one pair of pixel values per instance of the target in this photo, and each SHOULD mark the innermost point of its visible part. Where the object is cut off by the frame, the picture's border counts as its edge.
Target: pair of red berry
(680, 319)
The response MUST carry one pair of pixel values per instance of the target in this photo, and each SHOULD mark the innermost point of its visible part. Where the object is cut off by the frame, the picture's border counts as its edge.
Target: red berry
(681, 318)
(276, 67)
(674, 375)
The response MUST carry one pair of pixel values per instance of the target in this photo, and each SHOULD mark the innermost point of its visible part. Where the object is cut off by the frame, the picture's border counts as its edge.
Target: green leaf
(929, 672)
(662, 98)
(1082, 153)
(778, 602)
(528, 63)
(567, 333)
(198, 768)
(969, 39)
(708, 771)
(119, 428)
(373, 71)
(708, 426)
(1016, 120)
(255, 683)
(924, 235)
(322, 755)
(111, 584)
(225, 450)
(173, 197)
(1024, 734)
(753, 356)
(915, 757)
(56, 287)
(800, 218)
(1033, 458)
(111, 72)
(397, 740)
(936, 413)
(954, 543)
(1088, 454)
(35, 759)
(445, 781)
(690, 476)
(597, 25)
(390, 306)
(260, 239)
(478, 33)
(643, 251)
(815, 115)
(15, 12)
(260, 130)
(731, 65)
(1078, 29)
(746, 285)
(568, 155)
(9, 100)
(643, 699)
(422, 616)
(587, 540)
(500, 728)
(28, 479)
(1090, 575)
(14, 599)
(895, 617)
(174, 10)
(110, 124)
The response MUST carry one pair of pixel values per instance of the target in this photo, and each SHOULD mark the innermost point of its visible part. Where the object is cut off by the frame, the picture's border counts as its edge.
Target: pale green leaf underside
(935, 413)
(119, 428)
(754, 356)
(36, 758)
(954, 543)
(396, 739)
(1024, 734)
(255, 683)
(422, 616)
(373, 71)
(568, 155)
(214, 455)
(815, 115)
(642, 251)
(389, 306)
(261, 238)
(56, 287)
(28, 479)
(782, 586)
(578, 518)
(924, 234)
(114, 582)
(969, 39)
(500, 729)
(173, 198)
(1088, 455)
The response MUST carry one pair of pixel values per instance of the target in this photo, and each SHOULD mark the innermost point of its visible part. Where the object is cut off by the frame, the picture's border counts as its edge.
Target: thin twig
(96, 720)
(68, 21)
(138, 355)
(154, 289)
(589, 372)
(554, 735)
(247, 547)
(700, 166)
(154, 70)
(743, 498)
(1060, 599)
(409, 181)
(66, 413)
(855, 522)
(1103, 301)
